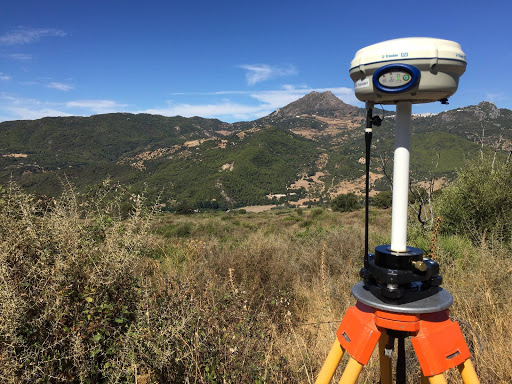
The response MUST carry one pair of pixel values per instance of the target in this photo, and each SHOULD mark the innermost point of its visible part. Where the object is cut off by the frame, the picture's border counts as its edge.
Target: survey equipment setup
(400, 294)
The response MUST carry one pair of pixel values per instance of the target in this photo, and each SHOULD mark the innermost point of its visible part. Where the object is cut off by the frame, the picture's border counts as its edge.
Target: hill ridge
(316, 103)
(314, 143)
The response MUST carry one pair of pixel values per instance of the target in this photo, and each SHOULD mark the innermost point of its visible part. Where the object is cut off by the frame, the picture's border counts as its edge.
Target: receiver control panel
(394, 79)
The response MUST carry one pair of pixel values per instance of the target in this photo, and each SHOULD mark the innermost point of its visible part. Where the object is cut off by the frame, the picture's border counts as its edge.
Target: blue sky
(233, 60)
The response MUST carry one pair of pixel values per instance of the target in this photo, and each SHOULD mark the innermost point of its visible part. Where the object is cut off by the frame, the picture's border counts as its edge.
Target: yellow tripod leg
(385, 362)
(352, 371)
(468, 373)
(330, 364)
(437, 379)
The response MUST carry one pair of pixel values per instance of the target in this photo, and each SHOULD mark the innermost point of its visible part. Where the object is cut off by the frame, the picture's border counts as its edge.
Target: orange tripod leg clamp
(358, 334)
(439, 344)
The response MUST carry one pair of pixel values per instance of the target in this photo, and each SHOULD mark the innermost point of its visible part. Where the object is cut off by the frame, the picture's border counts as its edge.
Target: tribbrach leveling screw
(401, 295)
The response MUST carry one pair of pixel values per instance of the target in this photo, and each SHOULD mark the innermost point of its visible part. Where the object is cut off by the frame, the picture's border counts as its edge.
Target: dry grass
(215, 298)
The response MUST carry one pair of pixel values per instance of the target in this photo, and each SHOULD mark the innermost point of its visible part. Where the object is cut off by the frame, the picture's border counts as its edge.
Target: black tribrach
(400, 277)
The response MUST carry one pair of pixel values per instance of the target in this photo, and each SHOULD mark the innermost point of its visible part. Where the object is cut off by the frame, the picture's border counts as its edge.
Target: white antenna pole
(401, 177)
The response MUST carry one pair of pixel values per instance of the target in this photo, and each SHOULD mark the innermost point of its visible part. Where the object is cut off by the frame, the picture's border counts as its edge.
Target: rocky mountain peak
(486, 104)
(483, 111)
(317, 103)
(489, 109)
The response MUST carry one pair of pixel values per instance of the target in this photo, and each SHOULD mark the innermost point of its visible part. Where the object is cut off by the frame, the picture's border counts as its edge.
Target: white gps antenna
(404, 72)
(415, 70)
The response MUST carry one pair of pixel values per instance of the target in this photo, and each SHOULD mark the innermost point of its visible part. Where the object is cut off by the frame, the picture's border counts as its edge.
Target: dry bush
(480, 280)
(69, 287)
(88, 296)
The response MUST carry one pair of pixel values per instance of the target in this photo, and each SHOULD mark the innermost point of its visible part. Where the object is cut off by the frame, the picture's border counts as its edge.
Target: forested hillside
(310, 150)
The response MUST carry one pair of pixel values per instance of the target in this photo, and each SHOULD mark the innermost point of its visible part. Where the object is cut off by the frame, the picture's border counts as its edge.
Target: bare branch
(384, 163)
(482, 141)
(496, 148)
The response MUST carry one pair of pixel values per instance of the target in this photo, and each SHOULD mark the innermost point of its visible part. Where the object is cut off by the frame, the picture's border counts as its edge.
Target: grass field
(211, 298)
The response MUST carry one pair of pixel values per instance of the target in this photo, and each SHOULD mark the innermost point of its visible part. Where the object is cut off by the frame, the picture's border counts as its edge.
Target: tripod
(437, 341)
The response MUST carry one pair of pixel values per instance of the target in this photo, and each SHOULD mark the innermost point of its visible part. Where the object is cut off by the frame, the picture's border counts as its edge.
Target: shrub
(89, 298)
(184, 209)
(315, 212)
(383, 200)
(345, 203)
(70, 286)
(479, 201)
(182, 229)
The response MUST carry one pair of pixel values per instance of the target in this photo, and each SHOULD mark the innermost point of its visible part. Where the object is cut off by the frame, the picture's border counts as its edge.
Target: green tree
(345, 203)
(382, 199)
(184, 208)
(480, 200)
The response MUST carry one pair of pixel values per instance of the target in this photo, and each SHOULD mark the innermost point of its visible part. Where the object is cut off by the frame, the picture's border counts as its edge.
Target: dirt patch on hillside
(227, 167)
(322, 160)
(16, 155)
(304, 182)
(305, 132)
(335, 127)
(258, 208)
(137, 161)
(242, 134)
(304, 202)
(343, 122)
(194, 143)
(356, 186)
(438, 183)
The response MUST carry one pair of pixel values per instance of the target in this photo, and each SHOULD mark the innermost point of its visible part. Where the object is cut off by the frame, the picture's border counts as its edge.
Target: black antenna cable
(368, 133)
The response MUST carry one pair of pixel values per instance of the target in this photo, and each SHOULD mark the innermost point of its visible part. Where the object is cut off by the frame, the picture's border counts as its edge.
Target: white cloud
(495, 97)
(267, 102)
(60, 86)
(257, 73)
(4, 77)
(22, 35)
(16, 108)
(283, 96)
(208, 110)
(18, 56)
(243, 105)
(279, 98)
(8, 99)
(30, 114)
(13, 107)
(97, 106)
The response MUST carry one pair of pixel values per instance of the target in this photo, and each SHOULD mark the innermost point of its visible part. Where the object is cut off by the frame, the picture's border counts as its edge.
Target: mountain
(309, 149)
(323, 104)
(479, 122)
(314, 116)
(441, 143)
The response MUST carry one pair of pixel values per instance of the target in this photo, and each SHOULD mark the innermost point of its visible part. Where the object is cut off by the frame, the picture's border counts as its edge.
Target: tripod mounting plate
(435, 303)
